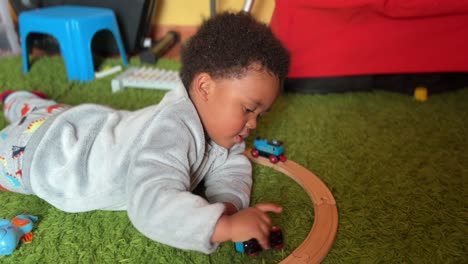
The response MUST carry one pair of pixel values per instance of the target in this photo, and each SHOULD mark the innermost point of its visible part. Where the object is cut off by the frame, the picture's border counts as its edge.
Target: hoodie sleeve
(160, 204)
(231, 181)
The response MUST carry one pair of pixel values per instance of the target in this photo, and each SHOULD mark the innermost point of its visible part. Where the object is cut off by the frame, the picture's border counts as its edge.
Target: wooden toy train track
(320, 239)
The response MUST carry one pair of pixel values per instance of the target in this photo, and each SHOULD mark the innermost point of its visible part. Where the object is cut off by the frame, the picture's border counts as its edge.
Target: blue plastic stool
(74, 28)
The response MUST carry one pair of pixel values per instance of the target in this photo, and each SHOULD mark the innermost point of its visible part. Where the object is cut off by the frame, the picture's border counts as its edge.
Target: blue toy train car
(271, 149)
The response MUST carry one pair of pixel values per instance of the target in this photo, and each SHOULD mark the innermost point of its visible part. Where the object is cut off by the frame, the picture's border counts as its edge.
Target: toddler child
(148, 162)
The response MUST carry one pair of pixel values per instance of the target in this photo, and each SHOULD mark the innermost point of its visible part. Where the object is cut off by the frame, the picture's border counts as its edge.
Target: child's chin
(226, 144)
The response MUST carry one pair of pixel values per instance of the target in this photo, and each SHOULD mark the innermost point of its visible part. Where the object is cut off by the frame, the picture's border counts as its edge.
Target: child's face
(230, 107)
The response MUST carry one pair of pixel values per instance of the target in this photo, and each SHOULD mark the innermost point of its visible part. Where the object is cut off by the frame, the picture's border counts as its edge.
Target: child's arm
(252, 222)
(230, 181)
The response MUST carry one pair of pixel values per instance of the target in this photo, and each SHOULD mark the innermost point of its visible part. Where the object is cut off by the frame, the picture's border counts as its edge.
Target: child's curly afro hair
(226, 45)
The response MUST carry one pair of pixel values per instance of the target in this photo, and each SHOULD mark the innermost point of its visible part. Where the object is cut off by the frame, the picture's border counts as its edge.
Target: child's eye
(249, 110)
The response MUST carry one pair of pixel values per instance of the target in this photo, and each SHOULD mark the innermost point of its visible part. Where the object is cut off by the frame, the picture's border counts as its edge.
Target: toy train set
(320, 238)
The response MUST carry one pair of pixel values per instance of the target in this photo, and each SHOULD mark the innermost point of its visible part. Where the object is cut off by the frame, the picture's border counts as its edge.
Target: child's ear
(203, 85)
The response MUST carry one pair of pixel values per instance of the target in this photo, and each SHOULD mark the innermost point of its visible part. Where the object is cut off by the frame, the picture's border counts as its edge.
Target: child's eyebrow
(255, 102)
(266, 110)
(259, 104)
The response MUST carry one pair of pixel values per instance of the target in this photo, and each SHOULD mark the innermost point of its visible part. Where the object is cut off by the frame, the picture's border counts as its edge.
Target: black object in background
(401, 83)
(134, 18)
(160, 48)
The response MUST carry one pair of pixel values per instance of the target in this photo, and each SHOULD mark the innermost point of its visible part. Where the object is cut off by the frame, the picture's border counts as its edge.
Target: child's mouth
(239, 139)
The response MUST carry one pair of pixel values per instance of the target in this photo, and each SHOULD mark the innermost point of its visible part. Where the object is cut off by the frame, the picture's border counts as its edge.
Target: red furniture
(336, 38)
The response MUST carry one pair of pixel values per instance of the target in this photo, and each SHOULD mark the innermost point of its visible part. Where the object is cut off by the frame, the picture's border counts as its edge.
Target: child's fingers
(262, 237)
(269, 207)
(265, 227)
(264, 243)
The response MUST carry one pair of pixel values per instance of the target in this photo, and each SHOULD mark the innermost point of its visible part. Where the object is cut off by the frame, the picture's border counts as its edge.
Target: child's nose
(252, 123)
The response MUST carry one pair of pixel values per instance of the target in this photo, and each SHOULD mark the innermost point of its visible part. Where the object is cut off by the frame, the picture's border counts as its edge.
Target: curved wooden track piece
(320, 239)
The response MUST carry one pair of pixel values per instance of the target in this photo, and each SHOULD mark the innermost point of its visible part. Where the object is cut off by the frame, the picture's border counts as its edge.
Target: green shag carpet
(397, 168)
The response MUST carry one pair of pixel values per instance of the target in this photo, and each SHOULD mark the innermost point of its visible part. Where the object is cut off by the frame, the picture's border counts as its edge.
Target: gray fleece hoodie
(147, 162)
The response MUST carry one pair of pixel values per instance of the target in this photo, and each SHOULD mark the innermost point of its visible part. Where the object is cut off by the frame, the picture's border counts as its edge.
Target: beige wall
(192, 12)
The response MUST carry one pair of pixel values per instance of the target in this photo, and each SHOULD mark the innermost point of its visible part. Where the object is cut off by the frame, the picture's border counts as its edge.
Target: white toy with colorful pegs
(147, 78)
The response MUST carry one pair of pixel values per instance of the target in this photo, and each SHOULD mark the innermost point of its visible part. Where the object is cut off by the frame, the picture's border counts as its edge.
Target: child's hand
(252, 222)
